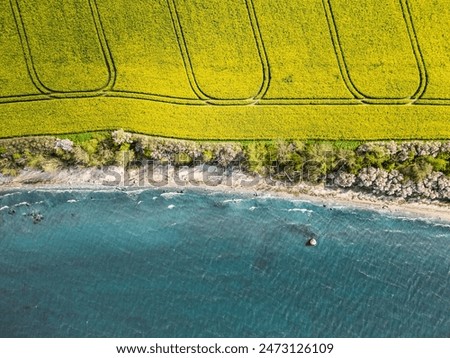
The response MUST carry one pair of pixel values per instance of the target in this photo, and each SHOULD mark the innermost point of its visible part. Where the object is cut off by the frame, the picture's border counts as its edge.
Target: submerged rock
(37, 217)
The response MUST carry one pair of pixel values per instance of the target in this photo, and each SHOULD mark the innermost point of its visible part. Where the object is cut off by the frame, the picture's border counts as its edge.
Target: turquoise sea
(202, 264)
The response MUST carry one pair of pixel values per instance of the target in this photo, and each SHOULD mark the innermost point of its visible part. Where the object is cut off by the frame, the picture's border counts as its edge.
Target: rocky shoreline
(393, 173)
(433, 185)
(175, 179)
(436, 186)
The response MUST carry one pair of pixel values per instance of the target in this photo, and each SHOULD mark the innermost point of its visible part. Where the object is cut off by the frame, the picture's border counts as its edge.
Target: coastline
(230, 183)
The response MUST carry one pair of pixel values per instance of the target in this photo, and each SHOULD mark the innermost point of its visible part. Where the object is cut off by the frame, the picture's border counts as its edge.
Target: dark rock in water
(261, 263)
(311, 242)
(37, 217)
(218, 204)
(298, 229)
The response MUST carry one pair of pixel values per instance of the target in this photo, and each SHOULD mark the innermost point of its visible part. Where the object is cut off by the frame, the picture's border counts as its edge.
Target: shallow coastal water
(198, 264)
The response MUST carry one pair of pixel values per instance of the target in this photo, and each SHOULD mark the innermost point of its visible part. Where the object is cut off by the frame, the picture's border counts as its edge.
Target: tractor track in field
(351, 86)
(107, 55)
(31, 67)
(418, 96)
(26, 48)
(343, 68)
(256, 29)
(412, 34)
(184, 51)
(46, 93)
(189, 67)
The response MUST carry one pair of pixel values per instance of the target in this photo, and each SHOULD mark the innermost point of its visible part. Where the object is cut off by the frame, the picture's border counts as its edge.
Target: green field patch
(302, 60)
(14, 78)
(432, 23)
(144, 46)
(80, 138)
(64, 47)
(377, 48)
(222, 47)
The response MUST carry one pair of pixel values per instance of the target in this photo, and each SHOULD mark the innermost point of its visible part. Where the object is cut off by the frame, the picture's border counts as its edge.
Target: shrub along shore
(409, 169)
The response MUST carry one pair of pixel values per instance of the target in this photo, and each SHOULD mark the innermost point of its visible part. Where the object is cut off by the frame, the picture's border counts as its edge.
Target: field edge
(262, 122)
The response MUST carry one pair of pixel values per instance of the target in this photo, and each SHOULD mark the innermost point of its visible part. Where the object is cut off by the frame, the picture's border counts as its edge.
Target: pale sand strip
(237, 182)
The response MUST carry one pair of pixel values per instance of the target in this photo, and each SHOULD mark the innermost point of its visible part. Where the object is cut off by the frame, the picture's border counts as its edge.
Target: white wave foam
(428, 220)
(170, 195)
(440, 225)
(407, 218)
(23, 203)
(72, 201)
(10, 194)
(233, 200)
(4, 207)
(38, 202)
(301, 210)
(170, 206)
(252, 208)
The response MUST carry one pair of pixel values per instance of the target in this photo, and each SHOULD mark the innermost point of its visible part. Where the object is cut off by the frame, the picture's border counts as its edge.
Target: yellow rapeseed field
(377, 49)
(432, 22)
(62, 45)
(302, 59)
(224, 54)
(14, 79)
(227, 69)
(144, 47)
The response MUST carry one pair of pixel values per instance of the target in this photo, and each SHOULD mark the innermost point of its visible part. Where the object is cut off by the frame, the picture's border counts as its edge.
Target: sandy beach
(203, 178)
